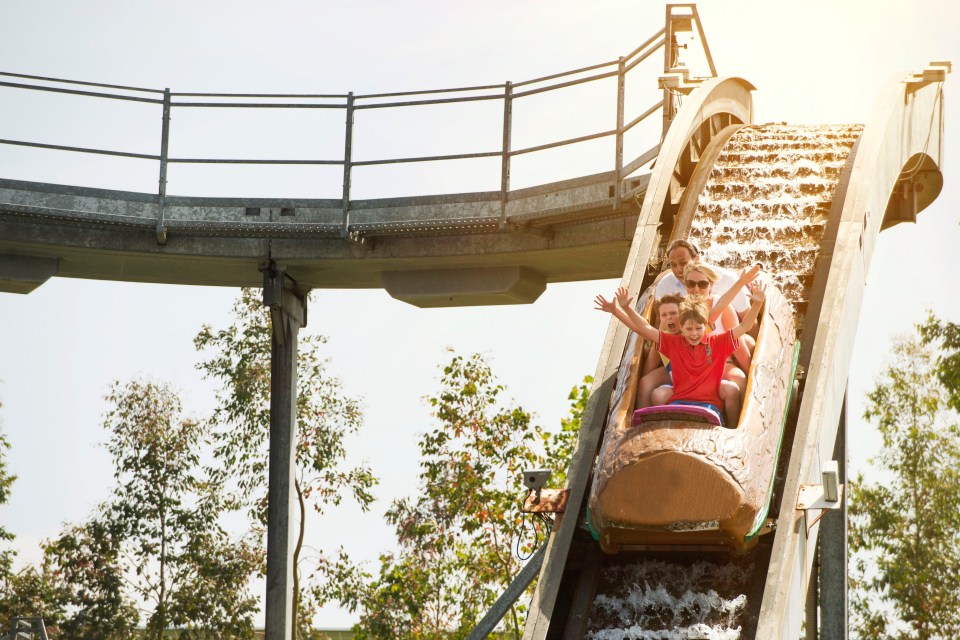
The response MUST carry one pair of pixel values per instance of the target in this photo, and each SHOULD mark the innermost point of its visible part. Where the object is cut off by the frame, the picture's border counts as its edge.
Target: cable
(548, 527)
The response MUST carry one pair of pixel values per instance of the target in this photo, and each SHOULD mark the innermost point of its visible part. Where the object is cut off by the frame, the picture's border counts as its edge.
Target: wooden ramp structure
(808, 202)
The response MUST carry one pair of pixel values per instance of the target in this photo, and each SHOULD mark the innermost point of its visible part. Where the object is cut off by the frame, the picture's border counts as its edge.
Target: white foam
(659, 600)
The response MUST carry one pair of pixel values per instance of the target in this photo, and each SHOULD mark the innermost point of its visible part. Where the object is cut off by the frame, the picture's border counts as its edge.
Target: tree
(456, 538)
(6, 482)
(905, 529)
(240, 361)
(560, 446)
(165, 513)
(32, 592)
(28, 592)
(85, 570)
(944, 337)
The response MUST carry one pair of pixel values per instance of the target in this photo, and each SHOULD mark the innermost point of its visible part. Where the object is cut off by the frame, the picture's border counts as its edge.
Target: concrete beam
(464, 287)
(23, 274)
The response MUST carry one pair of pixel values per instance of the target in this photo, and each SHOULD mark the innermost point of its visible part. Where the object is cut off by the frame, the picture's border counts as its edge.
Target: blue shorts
(705, 405)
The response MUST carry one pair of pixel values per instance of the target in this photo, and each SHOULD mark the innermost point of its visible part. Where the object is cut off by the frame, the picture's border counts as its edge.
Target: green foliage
(85, 569)
(905, 530)
(32, 592)
(561, 446)
(6, 483)
(456, 538)
(239, 358)
(944, 338)
(165, 512)
(325, 417)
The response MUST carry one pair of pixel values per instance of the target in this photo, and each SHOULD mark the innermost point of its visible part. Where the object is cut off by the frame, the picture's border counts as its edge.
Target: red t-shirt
(697, 371)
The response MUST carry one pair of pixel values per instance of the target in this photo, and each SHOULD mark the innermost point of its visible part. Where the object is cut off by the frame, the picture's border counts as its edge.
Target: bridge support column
(833, 550)
(288, 312)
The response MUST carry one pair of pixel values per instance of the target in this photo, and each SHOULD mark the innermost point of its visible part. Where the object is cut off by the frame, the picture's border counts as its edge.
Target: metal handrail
(257, 95)
(568, 83)
(504, 92)
(421, 92)
(80, 82)
(277, 105)
(77, 92)
(415, 103)
(60, 147)
(563, 74)
(257, 105)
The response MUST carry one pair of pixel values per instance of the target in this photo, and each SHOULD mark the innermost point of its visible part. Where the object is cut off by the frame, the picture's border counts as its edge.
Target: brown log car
(676, 482)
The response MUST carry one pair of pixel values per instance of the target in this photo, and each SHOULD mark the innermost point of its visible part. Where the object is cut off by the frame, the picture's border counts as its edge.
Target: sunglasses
(697, 284)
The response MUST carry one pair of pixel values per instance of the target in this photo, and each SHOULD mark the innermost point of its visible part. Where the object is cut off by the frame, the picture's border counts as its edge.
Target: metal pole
(505, 157)
(513, 592)
(164, 146)
(668, 110)
(288, 315)
(347, 168)
(810, 624)
(618, 160)
(833, 551)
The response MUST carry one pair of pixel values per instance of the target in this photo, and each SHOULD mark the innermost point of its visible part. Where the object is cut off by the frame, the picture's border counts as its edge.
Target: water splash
(656, 600)
(768, 198)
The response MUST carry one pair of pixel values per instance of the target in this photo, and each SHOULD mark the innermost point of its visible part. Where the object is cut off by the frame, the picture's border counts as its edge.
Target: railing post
(618, 166)
(668, 41)
(347, 168)
(164, 146)
(505, 151)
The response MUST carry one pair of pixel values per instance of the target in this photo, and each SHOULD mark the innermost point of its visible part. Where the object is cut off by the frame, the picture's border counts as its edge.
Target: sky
(64, 344)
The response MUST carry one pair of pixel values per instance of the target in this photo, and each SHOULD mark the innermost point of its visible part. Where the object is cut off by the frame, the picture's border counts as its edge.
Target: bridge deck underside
(564, 231)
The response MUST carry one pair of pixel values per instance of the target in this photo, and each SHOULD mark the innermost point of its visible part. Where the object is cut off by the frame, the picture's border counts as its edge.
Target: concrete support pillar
(288, 312)
(833, 551)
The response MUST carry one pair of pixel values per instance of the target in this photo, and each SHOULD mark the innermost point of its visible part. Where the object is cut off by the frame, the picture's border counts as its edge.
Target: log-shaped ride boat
(669, 479)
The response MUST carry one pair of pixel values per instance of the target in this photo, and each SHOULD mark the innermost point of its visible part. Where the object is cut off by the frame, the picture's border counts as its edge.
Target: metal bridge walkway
(489, 247)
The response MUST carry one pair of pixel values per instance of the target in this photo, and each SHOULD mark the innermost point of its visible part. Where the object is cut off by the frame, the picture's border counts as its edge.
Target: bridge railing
(678, 17)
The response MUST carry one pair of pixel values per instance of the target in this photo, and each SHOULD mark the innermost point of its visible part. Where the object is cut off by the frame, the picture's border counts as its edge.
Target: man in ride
(681, 252)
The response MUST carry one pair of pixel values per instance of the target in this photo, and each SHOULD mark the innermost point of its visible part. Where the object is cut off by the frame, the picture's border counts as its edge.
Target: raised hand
(758, 291)
(604, 305)
(623, 297)
(749, 275)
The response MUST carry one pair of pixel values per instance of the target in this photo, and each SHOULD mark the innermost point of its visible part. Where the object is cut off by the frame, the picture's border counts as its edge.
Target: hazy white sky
(62, 345)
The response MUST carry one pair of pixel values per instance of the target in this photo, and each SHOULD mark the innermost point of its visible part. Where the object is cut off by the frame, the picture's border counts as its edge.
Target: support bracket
(818, 497)
(280, 294)
(824, 496)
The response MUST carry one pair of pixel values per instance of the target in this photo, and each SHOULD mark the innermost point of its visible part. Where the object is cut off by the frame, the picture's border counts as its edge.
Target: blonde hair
(694, 308)
(702, 267)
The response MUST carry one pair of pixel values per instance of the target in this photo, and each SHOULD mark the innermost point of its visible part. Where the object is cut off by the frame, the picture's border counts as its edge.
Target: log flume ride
(669, 500)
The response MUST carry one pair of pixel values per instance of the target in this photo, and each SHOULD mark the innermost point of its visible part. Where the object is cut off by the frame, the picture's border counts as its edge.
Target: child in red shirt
(697, 359)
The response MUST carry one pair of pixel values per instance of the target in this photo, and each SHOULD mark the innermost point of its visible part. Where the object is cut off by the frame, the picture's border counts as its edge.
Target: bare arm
(758, 293)
(746, 277)
(651, 362)
(627, 316)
